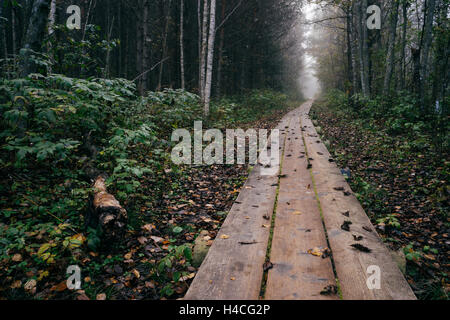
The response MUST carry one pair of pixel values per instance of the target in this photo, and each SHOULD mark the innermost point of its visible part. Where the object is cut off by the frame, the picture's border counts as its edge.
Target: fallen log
(107, 213)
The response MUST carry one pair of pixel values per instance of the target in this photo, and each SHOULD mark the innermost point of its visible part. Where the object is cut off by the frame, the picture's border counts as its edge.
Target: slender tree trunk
(210, 62)
(353, 36)
(415, 54)
(139, 46)
(164, 46)
(35, 33)
(349, 51)
(390, 59)
(204, 48)
(51, 25)
(360, 44)
(441, 63)
(83, 70)
(146, 50)
(52, 17)
(365, 50)
(108, 51)
(13, 31)
(3, 31)
(403, 48)
(183, 86)
(428, 35)
(221, 44)
(199, 24)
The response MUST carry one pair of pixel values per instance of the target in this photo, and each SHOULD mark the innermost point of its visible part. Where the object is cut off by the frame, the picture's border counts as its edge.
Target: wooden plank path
(307, 195)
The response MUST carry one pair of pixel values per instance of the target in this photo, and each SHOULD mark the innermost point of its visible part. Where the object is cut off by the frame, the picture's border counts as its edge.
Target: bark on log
(108, 213)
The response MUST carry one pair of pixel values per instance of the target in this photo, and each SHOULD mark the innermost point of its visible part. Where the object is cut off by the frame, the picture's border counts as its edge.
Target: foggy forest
(98, 98)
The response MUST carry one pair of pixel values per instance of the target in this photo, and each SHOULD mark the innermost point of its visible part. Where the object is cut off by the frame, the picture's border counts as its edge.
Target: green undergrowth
(398, 166)
(57, 132)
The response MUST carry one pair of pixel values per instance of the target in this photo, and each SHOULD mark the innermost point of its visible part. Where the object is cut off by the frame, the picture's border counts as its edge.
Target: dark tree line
(157, 43)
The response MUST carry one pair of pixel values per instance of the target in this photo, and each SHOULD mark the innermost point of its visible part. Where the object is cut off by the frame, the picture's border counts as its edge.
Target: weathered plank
(351, 264)
(233, 270)
(297, 274)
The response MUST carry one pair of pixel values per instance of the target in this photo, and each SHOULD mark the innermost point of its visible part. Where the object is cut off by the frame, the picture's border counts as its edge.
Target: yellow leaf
(128, 256)
(43, 249)
(43, 274)
(76, 241)
(315, 252)
(224, 236)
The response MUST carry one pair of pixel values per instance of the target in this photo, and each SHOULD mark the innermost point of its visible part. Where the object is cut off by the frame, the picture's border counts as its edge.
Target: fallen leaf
(267, 266)
(17, 258)
(128, 256)
(157, 239)
(16, 284)
(101, 296)
(60, 287)
(30, 285)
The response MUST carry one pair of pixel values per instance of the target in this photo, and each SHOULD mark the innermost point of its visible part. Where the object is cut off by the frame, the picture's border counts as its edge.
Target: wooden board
(231, 270)
(351, 264)
(297, 274)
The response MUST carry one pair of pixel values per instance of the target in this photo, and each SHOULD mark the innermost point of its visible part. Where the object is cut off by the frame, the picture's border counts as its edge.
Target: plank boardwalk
(306, 199)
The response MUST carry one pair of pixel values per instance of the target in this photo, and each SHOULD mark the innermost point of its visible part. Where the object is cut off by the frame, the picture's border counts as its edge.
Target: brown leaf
(101, 296)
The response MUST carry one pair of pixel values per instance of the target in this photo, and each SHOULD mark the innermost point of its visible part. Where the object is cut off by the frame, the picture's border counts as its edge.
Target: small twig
(152, 68)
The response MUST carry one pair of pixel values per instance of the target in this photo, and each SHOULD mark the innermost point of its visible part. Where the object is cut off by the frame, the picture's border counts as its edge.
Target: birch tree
(391, 48)
(209, 67)
(34, 35)
(183, 86)
(204, 49)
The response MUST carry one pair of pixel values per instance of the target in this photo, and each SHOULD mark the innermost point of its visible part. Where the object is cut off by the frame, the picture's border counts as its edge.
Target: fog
(308, 82)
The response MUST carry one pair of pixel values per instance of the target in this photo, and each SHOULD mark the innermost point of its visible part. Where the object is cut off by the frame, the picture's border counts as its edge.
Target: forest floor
(320, 243)
(45, 196)
(403, 190)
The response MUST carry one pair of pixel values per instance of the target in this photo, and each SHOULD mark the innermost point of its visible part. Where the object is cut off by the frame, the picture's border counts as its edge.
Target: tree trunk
(210, 62)
(390, 59)
(107, 70)
(164, 47)
(3, 31)
(221, 44)
(349, 51)
(204, 48)
(107, 213)
(146, 46)
(428, 35)
(365, 50)
(140, 47)
(183, 85)
(199, 25)
(51, 25)
(441, 60)
(403, 48)
(35, 34)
